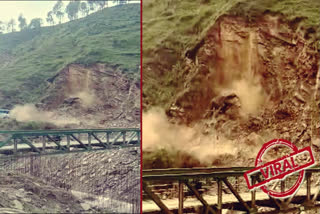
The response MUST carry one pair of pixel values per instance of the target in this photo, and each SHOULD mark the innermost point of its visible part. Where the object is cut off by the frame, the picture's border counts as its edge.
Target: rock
(26, 199)
(282, 114)
(71, 100)
(18, 205)
(20, 193)
(286, 135)
(254, 139)
(129, 118)
(299, 98)
(10, 210)
(85, 206)
(29, 193)
(316, 142)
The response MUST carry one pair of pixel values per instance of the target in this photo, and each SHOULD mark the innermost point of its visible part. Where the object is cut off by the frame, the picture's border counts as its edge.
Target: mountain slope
(223, 77)
(172, 29)
(29, 58)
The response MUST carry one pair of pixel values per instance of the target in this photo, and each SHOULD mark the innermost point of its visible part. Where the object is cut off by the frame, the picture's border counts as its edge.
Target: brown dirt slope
(98, 95)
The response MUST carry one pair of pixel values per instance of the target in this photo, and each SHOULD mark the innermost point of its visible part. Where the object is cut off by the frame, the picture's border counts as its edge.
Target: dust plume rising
(160, 134)
(251, 95)
(87, 98)
(247, 88)
(29, 112)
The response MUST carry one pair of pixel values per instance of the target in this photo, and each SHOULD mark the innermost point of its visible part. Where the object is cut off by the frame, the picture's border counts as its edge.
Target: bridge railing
(185, 176)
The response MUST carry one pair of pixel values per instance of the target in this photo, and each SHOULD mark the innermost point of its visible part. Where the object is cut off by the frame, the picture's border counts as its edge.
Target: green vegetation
(111, 36)
(171, 28)
(292, 9)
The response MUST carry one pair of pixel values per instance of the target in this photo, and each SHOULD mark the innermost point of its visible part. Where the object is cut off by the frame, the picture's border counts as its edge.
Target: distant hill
(31, 57)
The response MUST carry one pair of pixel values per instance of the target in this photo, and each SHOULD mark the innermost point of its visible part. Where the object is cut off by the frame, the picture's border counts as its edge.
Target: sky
(29, 9)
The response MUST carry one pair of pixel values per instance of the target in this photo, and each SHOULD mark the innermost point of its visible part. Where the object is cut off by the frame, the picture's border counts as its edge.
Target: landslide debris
(79, 96)
(260, 75)
(21, 193)
(113, 174)
(98, 95)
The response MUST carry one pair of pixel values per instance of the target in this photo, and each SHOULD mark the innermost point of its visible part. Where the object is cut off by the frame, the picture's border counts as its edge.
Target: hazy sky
(29, 9)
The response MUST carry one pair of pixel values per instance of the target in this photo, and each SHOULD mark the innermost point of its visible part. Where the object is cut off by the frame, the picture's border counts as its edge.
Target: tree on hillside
(84, 8)
(2, 27)
(72, 9)
(121, 1)
(124, 1)
(50, 19)
(58, 11)
(60, 16)
(22, 22)
(97, 3)
(101, 4)
(91, 5)
(35, 23)
(11, 24)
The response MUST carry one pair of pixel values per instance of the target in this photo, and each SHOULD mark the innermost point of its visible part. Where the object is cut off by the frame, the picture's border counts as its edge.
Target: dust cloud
(247, 88)
(159, 133)
(87, 98)
(251, 95)
(29, 112)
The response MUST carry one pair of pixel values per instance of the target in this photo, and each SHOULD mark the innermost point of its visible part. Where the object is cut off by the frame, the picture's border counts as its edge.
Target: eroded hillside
(96, 95)
(247, 77)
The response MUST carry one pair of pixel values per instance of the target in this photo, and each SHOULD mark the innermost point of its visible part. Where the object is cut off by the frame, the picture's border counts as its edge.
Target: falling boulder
(282, 114)
(71, 101)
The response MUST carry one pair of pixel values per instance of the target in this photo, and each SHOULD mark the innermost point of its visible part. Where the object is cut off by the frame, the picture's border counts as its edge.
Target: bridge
(183, 190)
(47, 142)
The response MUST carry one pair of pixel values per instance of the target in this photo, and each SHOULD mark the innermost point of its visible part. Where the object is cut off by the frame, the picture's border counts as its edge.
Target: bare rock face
(261, 75)
(98, 95)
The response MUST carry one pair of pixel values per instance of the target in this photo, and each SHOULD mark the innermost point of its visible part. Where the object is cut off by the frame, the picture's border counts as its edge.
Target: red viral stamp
(291, 165)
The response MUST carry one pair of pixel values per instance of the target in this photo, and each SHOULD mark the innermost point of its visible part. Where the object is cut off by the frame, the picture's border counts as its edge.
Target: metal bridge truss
(184, 177)
(43, 142)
